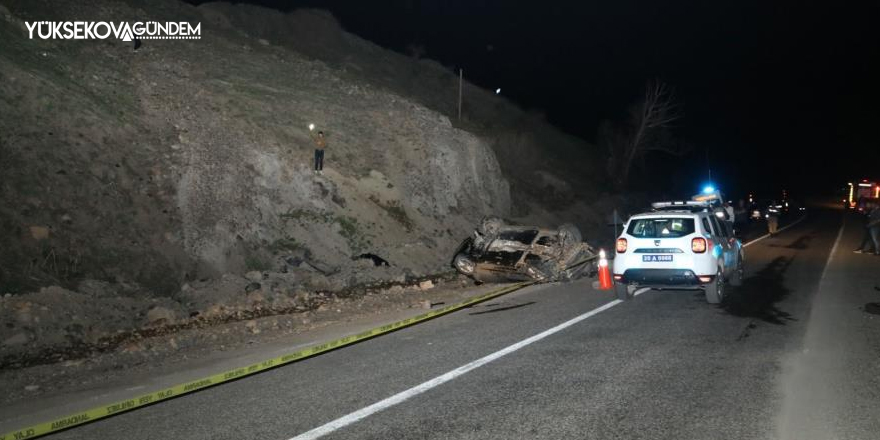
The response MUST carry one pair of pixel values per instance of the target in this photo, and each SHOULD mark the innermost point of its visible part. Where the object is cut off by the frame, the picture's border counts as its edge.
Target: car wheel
(623, 292)
(737, 278)
(490, 226)
(715, 290)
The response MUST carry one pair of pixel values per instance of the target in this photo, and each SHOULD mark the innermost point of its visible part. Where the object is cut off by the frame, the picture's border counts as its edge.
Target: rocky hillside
(554, 177)
(174, 181)
(189, 159)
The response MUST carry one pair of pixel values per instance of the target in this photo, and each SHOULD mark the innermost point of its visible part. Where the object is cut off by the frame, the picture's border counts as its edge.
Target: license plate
(656, 258)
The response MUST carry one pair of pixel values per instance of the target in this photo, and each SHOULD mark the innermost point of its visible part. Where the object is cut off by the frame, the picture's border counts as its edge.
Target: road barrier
(140, 401)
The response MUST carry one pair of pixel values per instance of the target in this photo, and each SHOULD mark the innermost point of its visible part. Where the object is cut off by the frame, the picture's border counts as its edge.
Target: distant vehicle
(755, 212)
(760, 209)
(774, 208)
(794, 206)
(858, 191)
(687, 248)
(499, 251)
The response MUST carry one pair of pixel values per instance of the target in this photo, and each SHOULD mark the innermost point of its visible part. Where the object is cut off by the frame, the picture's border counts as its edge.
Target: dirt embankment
(156, 187)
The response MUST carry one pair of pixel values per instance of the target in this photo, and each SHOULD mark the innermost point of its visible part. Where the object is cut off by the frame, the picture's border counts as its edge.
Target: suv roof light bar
(680, 203)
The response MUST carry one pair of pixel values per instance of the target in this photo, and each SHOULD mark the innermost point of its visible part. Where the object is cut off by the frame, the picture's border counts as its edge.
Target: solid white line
(833, 250)
(767, 235)
(439, 380)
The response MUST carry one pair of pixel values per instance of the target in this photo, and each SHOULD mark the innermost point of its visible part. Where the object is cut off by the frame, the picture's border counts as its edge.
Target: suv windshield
(661, 227)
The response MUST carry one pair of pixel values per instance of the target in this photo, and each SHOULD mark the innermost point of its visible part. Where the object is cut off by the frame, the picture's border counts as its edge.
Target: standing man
(740, 214)
(872, 229)
(731, 214)
(320, 144)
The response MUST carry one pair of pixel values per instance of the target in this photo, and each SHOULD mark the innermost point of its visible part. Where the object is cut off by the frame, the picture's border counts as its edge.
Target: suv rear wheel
(715, 290)
(623, 291)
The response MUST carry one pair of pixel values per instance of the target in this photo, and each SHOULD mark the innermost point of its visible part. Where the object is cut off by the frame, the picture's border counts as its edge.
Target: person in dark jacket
(872, 231)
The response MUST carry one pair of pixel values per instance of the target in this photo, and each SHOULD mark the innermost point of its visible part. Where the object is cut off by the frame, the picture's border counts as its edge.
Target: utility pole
(708, 167)
(460, 81)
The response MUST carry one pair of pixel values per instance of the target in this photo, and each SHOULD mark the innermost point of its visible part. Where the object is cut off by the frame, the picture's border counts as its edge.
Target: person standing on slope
(320, 145)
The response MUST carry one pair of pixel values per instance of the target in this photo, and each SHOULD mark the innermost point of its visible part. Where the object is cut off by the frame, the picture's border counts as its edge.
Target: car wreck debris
(499, 251)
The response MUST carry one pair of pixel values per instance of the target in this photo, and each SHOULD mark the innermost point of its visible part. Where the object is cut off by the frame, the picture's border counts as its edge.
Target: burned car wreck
(499, 251)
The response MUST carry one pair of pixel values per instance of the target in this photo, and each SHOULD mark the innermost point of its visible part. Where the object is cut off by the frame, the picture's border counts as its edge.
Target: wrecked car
(498, 251)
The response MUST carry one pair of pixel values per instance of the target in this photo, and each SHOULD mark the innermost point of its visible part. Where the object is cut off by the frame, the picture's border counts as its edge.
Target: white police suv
(680, 245)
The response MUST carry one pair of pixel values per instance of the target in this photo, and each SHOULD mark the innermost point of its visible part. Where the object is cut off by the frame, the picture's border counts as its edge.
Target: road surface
(789, 355)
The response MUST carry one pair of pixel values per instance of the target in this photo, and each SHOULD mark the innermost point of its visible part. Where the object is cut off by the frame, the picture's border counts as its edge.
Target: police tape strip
(198, 384)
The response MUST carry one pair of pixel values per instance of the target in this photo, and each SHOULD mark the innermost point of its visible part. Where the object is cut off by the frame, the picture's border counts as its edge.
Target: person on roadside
(772, 219)
(872, 230)
(320, 145)
(731, 213)
(740, 216)
(741, 212)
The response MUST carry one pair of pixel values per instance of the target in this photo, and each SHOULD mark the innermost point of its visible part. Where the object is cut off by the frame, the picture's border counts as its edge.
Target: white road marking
(767, 235)
(402, 396)
(439, 380)
(833, 250)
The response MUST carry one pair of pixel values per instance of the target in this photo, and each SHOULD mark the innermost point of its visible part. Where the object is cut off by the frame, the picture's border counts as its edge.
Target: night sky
(777, 94)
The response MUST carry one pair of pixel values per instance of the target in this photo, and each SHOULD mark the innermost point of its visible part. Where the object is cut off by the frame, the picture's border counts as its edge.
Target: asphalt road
(665, 365)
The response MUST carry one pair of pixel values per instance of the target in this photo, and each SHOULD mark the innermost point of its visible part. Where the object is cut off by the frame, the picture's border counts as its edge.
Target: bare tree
(646, 130)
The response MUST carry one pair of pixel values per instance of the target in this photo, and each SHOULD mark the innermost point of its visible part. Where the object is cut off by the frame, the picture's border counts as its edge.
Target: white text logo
(92, 30)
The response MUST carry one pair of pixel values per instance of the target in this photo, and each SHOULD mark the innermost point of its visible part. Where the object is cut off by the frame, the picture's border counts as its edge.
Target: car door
(735, 246)
(726, 242)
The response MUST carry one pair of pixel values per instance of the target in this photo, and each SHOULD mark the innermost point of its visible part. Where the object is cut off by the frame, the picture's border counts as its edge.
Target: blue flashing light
(708, 189)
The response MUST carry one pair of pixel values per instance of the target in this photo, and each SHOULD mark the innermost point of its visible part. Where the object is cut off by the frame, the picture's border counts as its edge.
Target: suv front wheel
(736, 279)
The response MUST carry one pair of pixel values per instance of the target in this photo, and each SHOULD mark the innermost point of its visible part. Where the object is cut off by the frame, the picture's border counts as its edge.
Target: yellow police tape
(189, 387)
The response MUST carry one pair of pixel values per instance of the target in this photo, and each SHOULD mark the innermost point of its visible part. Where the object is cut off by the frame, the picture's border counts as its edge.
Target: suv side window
(706, 227)
(721, 232)
(728, 229)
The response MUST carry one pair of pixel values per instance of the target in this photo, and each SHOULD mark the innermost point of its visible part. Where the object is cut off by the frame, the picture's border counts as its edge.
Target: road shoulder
(832, 382)
(166, 360)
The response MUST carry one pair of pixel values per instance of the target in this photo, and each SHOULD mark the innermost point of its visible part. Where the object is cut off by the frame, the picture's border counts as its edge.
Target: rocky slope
(174, 181)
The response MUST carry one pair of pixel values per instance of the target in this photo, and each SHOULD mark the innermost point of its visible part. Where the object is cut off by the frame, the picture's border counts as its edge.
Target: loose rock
(17, 339)
(39, 232)
(160, 315)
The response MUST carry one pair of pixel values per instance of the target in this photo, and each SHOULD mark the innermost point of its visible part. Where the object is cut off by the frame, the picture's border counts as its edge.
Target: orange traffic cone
(605, 282)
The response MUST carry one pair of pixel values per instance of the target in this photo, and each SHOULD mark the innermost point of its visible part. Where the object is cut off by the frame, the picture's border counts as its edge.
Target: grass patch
(396, 212)
(348, 226)
(285, 244)
(304, 215)
(255, 263)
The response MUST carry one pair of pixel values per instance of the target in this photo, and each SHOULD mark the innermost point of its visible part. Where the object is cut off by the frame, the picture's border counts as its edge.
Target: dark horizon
(768, 92)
